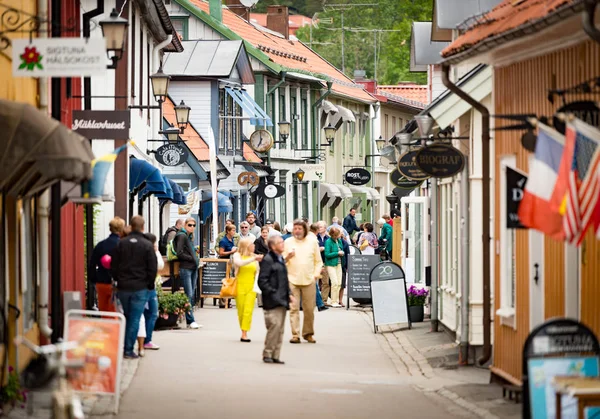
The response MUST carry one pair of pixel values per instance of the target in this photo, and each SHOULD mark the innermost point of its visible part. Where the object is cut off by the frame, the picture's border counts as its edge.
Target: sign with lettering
(440, 160)
(388, 292)
(586, 110)
(357, 176)
(359, 269)
(407, 166)
(102, 125)
(402, 182)
(515, 184)
(58, 57)
(314, 172)
(211, 276)
(172, 154)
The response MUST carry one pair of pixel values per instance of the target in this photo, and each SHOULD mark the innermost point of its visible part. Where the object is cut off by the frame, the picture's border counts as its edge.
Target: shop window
(508, 254)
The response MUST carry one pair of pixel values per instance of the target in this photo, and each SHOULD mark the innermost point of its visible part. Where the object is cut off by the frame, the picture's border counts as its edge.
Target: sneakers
(194, 325)
(141, 352)
(336, 305)
(131, 355)
(152, 346)
(323, 308)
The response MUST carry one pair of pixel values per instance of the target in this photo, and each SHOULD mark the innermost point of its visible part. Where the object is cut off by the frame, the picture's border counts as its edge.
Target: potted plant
(416, 301)
(171, 308)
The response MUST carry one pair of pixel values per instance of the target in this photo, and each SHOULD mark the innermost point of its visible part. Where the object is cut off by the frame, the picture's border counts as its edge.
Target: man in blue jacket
(350, 223)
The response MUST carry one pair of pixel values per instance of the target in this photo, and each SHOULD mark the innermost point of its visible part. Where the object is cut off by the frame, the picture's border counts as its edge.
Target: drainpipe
(463, 353)
(485, 165)
(588, 20)
(317, 137)
(44, 217)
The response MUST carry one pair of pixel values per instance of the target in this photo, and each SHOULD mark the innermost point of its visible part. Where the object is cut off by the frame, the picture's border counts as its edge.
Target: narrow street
(207, 372)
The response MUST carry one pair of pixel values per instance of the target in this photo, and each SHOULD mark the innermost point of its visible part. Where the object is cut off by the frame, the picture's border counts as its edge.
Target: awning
(36, 151)
(374, 194)
(360, 189)
(302, 76)
(344, 191)
(167, 194)
(260, 172)
(253, 112)
(330, 192)
(222, 172)
(142, 175)
(223, 204)
(179, 197)
(343, 115)
(328, 109)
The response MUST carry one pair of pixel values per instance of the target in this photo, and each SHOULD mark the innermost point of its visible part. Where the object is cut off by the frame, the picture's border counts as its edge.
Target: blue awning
(178, 195)
(223, 204)
(168, 194)
(253, 112)
(143, 175)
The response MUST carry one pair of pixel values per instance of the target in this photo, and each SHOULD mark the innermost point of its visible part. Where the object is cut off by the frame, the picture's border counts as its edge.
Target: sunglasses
(191, 225)
(244, 227)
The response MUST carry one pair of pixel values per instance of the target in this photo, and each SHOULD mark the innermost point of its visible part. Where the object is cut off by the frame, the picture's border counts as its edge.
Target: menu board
(212, 274)
(359, 269)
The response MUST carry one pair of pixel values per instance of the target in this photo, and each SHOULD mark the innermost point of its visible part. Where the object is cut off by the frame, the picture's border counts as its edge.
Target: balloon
(105, 261)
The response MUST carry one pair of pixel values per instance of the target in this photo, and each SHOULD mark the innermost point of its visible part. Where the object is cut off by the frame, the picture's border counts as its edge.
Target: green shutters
(281, 113)
(304, 123)
(293, 118)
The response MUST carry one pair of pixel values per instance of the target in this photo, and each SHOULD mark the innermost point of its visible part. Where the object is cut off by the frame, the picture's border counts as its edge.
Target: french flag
(535, 210)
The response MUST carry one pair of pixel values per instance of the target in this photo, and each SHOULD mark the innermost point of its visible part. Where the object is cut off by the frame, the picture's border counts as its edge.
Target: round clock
(261, 141)
(270, 191)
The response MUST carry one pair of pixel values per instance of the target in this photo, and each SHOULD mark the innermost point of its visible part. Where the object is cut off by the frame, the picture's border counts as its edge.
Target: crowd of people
(298, 268)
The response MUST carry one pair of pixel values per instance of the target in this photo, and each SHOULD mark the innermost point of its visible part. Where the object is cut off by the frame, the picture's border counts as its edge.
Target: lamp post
(182, 115)
(284, 131)
(114, 31)
(329, 133)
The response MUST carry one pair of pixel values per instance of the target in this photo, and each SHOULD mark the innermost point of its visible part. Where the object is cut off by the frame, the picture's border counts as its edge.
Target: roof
(250, 155)
(295, 21)
(424, 51)
(215, 58)
(288, 55)
(509, 16)
(407, 91)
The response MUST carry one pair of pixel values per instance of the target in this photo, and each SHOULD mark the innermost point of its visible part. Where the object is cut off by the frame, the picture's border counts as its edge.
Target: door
(415, 233)
(536, 278)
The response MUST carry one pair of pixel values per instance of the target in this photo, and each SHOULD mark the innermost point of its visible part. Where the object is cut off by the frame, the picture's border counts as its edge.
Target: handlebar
(55, 347)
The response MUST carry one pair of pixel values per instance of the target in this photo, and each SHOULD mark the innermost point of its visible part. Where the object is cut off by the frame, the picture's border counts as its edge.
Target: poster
(101, 353)
(542, 393)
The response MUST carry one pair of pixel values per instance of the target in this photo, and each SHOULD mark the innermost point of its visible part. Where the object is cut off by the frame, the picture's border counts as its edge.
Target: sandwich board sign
(388, 292)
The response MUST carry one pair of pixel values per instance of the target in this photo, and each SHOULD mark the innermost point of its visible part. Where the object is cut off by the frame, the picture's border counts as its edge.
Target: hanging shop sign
(586, 110)
(515, 184)
(357, 176)
(109, 125)
(270, 191)
(172, 155)
(440, 160)
(407, 166)
(314, 172)
(58, 57)
(248, 178)
(402, 182)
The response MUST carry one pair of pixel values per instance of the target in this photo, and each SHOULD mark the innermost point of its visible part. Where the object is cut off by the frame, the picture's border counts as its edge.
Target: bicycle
(50, 362)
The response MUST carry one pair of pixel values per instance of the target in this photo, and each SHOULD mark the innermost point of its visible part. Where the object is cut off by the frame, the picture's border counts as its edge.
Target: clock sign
(261, 141)
(270, 191)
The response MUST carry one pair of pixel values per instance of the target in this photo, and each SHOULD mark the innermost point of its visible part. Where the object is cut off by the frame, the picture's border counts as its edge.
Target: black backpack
(162, 245)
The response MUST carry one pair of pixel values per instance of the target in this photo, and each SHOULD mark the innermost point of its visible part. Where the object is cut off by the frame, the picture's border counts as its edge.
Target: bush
(175, 303)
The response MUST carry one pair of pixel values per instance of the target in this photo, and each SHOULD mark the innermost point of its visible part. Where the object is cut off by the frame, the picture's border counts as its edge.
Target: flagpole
(213, 185)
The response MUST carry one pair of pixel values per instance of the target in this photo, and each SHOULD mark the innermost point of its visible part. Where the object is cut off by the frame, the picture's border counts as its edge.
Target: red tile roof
(250, 155)
(508, 15)
(295, 21)
(409, 91)
(292, 55)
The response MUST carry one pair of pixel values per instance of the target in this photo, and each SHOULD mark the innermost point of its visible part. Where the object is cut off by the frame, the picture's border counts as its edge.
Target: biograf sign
(407, 166)
(58, 57)
(440, 160)
(171, 155)
(357, 176)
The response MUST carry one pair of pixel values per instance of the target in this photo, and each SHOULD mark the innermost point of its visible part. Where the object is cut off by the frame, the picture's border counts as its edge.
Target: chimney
(359, 74)
(239, 9)
(278, 20)
(216, 11)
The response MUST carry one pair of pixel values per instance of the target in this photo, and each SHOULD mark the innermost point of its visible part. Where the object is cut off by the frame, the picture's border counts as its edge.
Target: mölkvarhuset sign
(440, 160)
(110, 125)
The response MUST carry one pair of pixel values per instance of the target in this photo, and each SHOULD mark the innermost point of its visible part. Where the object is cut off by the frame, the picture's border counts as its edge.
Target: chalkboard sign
(388, 292)
(212, 274)
(359, 268)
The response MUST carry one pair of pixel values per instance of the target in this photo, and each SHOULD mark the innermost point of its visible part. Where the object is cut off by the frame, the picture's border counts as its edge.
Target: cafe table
(585, 389)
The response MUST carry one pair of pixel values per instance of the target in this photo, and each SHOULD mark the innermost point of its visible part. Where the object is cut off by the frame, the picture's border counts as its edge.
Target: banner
(515, 183)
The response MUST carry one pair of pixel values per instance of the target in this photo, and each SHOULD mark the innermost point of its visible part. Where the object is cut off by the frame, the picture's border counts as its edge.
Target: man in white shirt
(335, 222)
(245, 231)
(254, 229)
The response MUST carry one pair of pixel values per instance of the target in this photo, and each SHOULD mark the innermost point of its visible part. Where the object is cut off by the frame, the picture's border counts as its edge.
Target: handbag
(256, 288)
(229, 288)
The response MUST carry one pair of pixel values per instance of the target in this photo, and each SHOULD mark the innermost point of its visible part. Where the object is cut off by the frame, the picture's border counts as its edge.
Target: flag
(100, 166)
(534, 209)
(584, 183)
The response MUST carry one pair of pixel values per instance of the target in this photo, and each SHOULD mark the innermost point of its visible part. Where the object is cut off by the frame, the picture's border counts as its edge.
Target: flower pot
(417, 313)
(168, 323)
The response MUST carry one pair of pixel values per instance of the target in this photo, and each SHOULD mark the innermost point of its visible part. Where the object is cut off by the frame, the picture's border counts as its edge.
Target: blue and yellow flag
(100, 166)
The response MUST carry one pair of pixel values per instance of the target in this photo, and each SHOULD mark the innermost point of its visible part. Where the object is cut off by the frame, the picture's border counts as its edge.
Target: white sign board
(59, 57)
(388, 293)
(314, 172)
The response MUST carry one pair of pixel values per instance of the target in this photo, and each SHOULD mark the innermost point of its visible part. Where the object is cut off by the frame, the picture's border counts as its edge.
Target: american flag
(583, 193)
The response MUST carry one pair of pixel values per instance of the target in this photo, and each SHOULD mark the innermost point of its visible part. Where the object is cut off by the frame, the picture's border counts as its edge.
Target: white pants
(142, 329)
(335, 276)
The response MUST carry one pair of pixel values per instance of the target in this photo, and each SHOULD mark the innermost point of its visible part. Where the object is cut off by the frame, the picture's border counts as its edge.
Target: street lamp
(182, 115)
(114, 31)
(284, 131)
(160, 85)
(299, 175)
(380, 143)
(425, 124)
(172, 134)
(330, 133)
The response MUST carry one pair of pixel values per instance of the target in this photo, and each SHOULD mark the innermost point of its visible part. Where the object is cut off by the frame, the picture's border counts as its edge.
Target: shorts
(142, 328)
(344, 273)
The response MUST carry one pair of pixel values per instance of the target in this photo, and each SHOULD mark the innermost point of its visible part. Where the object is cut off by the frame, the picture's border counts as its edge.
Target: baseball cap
(269, 222)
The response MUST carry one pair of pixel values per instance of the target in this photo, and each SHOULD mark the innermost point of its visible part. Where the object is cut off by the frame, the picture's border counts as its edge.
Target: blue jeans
(320, 302)
(133, 303)
(151, 314)
(189, 277)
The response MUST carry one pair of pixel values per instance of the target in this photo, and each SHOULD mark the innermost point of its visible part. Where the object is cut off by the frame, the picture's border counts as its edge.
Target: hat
(381, 222)
(269, 222)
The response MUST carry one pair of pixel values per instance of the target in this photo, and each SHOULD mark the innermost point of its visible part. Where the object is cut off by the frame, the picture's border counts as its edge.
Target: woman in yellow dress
(246, 266)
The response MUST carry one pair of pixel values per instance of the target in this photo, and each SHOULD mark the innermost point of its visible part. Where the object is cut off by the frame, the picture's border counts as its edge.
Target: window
(283, 199)
(281, 113)
(305, 199)
(28, 247)
(294, 118)
(271, 109)
(230, 135)
(222, 95)
(387, 127)
(363, 136)
(148, 83)
(508, 248)
(352, 134)
(393, 125)
(344, 136)
(141, 81)
(304, 124)
(180, 24)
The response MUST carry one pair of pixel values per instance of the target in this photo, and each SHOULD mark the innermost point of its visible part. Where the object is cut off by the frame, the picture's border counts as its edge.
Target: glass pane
(414, 242)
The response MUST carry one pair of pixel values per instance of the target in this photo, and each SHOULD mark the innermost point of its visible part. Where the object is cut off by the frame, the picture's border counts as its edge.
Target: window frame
(304, 123)
(185, 26)
(282, 112)
(293, 120)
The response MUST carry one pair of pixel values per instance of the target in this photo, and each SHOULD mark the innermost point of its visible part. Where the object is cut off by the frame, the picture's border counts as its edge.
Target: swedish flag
(100, 166)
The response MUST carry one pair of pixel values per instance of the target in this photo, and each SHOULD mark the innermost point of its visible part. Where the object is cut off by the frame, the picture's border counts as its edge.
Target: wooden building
(533, 47)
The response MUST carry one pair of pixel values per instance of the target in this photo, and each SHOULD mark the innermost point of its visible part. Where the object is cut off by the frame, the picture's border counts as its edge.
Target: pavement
(350, 372)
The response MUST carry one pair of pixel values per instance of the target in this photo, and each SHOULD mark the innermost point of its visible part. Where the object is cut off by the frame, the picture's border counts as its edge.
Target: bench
(512, 390)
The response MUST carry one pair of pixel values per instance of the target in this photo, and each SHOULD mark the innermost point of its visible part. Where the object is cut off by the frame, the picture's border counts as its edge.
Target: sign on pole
(440, 160)
(59, 57)
(110, 125)
(357, 176)
(171, 155)
(388, 292)
(315, 172)
(407, 166)
(402, 182)
(102, 352)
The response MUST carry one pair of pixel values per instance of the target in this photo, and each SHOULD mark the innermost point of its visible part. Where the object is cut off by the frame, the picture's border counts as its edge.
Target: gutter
(486, 239)
(167, 24)
(149, 14)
